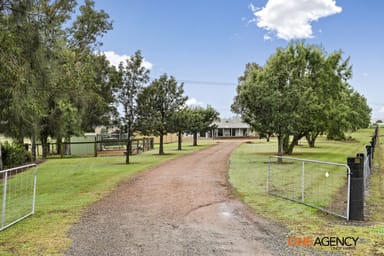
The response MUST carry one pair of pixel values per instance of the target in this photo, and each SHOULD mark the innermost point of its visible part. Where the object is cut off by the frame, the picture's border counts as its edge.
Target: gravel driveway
(182, 207)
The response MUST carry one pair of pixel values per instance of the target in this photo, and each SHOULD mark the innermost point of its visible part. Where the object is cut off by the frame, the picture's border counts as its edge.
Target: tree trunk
(128, 147)
(161, 146)
(195, 139)
(44, 144)
(285, 143)
(292, 145)
(33, 147)
(59, 142)
(179, 141)
(280, 148)
(311, 139)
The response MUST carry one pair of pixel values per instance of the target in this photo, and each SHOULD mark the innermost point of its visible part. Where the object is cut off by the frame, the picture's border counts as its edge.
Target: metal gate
(322, 185)
(18, 193)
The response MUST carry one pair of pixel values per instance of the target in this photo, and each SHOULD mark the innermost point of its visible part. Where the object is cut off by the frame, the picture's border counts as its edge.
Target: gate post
(369, 155)
(356, 193)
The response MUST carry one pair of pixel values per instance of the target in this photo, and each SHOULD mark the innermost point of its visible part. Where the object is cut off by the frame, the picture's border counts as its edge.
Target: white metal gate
(18, 193)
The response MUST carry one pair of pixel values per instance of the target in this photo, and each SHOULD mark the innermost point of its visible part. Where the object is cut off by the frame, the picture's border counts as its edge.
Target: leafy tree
(96, 73)
(156, 105)
(300, 92)
(179, 123)
(193, 120)
(44, 66)
(34, 27)
(97, 102)
(243, 102)
(132, 78)
(78, 78)
(201, 120)
(88, 27)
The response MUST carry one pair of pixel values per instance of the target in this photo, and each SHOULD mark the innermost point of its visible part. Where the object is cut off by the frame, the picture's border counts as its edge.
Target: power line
(207, 83)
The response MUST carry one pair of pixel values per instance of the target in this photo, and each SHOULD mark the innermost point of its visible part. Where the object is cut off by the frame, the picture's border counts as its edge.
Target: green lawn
(64, 188)
(248, 170)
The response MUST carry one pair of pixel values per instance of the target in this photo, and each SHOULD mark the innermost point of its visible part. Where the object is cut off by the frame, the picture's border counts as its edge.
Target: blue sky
(206, 43)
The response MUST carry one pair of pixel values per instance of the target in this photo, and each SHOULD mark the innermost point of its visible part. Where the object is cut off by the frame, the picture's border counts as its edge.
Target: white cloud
(194, 102)
(115, 59)
(381, 110)
(291, 19)
(267, 37)
(253, 8)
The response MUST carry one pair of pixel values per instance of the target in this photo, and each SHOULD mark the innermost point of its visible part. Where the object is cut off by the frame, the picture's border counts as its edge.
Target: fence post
(268, 175)
(4, 199)
(373, 145)
(95, 148)
(34, 189)
(302, 181)
(369, 155)
(356, 208)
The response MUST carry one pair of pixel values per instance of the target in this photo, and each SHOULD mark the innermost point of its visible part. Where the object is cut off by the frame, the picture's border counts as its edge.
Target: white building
(231, 129)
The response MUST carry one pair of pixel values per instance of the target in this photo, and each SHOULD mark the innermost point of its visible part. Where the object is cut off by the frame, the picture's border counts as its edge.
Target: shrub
(14, 155)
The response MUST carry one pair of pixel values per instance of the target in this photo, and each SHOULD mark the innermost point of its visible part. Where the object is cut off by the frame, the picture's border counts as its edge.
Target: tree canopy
(301, 91)
(201, 120)
(157, 103)
(131, 78)
(52, 83)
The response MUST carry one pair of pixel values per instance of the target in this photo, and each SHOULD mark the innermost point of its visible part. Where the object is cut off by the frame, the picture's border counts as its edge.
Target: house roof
(232, 125)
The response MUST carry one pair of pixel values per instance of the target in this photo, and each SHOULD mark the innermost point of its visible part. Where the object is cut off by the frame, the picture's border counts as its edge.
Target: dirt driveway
(183, 207)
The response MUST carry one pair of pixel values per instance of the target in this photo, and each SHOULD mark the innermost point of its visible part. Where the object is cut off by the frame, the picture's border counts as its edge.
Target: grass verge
(247, 174)
(65, 187)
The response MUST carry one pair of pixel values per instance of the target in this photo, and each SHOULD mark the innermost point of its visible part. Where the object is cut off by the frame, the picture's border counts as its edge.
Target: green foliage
(179, 123)
(96, 102)
(200, 120)
(156, 105)
(131, 80)
(14, 155)
(88, 26)
(50, 79)
(301, 92)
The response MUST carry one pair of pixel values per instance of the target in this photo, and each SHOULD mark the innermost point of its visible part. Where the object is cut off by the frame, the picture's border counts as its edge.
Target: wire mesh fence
(318, 184)
(18, 193)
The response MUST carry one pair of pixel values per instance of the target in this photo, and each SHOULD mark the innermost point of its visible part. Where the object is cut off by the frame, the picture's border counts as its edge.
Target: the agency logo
(333, 242)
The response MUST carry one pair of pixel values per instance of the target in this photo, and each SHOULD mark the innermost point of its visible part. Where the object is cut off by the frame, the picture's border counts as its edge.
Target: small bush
(14, 155)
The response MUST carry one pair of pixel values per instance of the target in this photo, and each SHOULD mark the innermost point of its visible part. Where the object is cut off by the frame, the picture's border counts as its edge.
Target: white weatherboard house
(231, 129)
